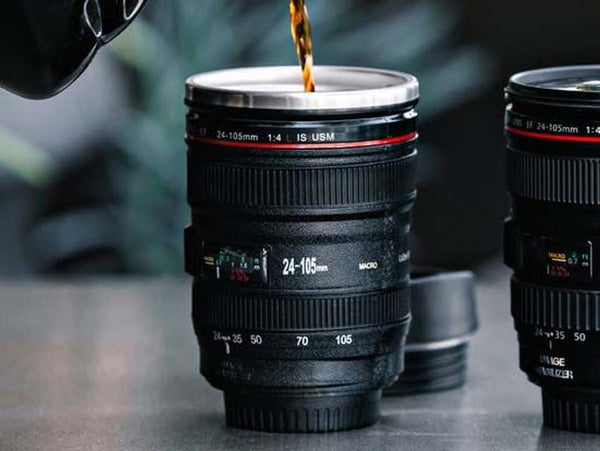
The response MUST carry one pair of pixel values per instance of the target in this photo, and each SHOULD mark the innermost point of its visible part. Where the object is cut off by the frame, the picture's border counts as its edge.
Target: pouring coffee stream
(300, 28)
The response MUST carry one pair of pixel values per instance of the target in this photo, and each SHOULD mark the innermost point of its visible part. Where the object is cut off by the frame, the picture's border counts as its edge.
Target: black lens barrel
(553, 236)
(298, 248)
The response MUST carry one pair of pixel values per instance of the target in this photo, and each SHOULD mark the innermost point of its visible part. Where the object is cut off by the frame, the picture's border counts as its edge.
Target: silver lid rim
(544, 87)
(522, 78)
(359, 88)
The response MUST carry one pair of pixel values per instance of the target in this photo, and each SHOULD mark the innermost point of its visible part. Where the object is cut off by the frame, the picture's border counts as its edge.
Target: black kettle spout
(46, 44)
(117, 14)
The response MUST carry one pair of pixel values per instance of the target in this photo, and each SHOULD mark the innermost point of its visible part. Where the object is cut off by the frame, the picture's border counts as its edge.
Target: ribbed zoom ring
(277, 313)
(555, 307)
(569, 180)
(227, 185)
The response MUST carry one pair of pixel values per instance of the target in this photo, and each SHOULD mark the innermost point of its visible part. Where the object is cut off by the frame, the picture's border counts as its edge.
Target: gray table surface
(113, 364)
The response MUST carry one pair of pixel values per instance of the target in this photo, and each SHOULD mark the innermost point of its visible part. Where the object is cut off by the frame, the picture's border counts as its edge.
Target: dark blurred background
(93, 180)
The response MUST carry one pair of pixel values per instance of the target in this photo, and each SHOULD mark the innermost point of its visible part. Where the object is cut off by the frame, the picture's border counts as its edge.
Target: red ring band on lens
(551, 137)
(299, 146)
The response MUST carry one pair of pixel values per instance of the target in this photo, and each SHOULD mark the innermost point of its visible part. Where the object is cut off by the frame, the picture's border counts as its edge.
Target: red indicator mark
(239, 275)
(558, 271)
(287, 146)
(551, 137)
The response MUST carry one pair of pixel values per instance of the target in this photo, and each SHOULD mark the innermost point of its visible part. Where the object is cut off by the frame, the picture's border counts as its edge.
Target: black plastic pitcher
(46, 44)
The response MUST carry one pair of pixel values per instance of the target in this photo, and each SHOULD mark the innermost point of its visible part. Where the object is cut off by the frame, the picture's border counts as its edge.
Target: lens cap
(444, 318)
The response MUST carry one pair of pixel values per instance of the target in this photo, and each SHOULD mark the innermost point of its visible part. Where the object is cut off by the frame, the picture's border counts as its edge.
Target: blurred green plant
(175, 39)
(26, 161)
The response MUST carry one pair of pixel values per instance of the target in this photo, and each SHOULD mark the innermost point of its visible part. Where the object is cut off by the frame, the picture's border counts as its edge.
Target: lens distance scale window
(550, 258)
(235, 264)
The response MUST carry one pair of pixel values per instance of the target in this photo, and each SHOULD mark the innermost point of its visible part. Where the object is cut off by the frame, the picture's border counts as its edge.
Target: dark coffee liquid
(300, 26)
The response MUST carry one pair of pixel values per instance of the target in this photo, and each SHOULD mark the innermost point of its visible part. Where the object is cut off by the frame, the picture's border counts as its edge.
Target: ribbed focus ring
(324, 413)
(571, 415)
(227, 185)
(568, 180)
(555, 307)
(299, 312)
